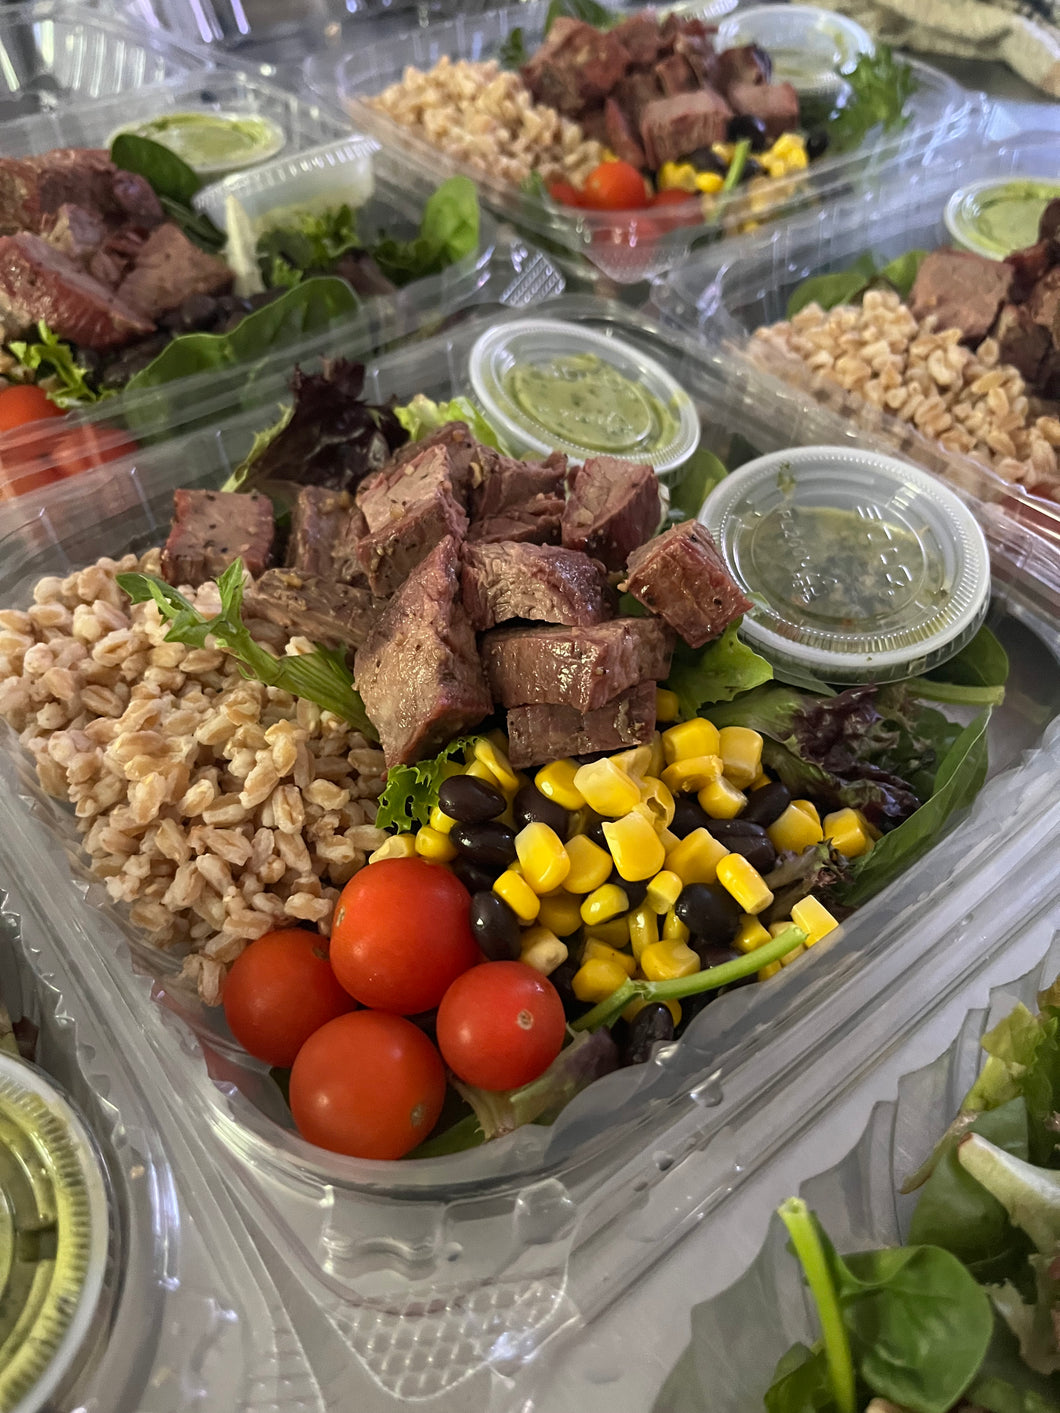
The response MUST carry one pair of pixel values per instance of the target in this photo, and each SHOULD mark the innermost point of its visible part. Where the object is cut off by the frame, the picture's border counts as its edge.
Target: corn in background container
(443, 1279)
(590, 242)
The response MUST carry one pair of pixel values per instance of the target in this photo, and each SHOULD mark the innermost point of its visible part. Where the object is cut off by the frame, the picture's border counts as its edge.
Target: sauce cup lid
(860, 567)
(966, 208)
(646, 418)
(273, 138)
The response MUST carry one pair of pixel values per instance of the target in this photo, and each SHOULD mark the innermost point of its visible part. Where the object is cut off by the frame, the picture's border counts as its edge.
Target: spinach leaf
(54, 359)
(449, 231)
(588, 11)
(881, 87)
(716, 673)
(702, 473)
(959, 779)
(800, 1383)
(168, 175)
(512, 53)
(314, 241)
(842, 287)
(901, 272)
(981, 663)
(1004, 1384)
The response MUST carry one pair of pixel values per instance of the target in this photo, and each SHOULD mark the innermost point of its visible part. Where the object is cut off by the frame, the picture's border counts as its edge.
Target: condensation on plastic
(190, 1318)
(443, 1278)
(591, 242)
(722, 295)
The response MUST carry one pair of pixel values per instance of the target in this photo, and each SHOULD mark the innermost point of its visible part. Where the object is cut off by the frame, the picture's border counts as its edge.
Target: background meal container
(809, 46)
(541, 342)
(965, 209)
(861, 568)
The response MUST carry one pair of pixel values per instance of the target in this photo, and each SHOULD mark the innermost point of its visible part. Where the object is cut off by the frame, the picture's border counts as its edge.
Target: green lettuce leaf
(314, 240)
(52, 358)
(702, 473)
(715, 673)
(412, 790)
(843, 287)
(421, 417)
(881, 87)
(449, 231)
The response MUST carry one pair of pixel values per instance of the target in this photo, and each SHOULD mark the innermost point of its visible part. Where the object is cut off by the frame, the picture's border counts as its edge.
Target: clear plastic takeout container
(808, 46)
(626, 247)
(724, 294)
(448, 1279)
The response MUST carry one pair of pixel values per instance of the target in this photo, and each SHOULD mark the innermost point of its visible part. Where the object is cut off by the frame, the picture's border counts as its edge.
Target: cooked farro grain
(217, 808)
(488, 118)
(880, 354)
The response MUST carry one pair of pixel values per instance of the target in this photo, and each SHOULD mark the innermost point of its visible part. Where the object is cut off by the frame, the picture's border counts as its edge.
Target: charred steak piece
(168, 269)
(1030, 265)
(329, 613)
(1044, 303)
(746, 64)
(1021, 341)
(620, 135)
(75, 232)
(517, 500)
(641, 38)
(401, 484)
(542, 733)
(212, 528)
(318, 520)
(576, 67)
(387, 556)
(671, 128)
(38, 282)
(681, 576)
(418, 670)
(465, 454)
(507, 580)
(775, 104)
(963, 291)
(584, 668)
(612, 507)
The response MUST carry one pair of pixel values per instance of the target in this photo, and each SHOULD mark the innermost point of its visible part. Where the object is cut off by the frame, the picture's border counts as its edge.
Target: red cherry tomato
(367, 1084)
(673, 209)
(86, 447)
(21, 403)
(279, 991)
(614, 186)
(565, 193)
(500, 1025)
(402, 935)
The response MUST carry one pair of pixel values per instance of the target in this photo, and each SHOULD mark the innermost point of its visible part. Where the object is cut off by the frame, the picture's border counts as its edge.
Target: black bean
(742, 836)
(766, 804)
(594, 830)
(816, 143)
(689, 814)
(711, 954)
(651, 1024)
(634, 891)
(563, 980)
(469, 800)
(495, 927)
(743, 125)
(751, 168)
(706, 160)
(473, 876)
(531, 807)
(709, 912)
(491, 845)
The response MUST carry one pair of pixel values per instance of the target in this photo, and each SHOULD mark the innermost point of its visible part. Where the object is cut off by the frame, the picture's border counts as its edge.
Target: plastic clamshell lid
(860, 567)
(808, 46)
(966, 208)
(51, 1181)
(665, 443)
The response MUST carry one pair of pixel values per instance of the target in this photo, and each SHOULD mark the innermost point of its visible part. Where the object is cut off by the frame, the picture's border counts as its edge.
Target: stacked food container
(175, 1238)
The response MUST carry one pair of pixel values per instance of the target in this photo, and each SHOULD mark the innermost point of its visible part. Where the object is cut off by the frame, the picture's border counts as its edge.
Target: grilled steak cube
(584, 668)
(612, 507)
(212, 528)
(517, 500)
(670, 128)
(676, 76)
(963, 291)
(620, 135)
(1030, 265)
(403, 483)
(1021, 341)
(75, 232)
(388, 556)
(506, 580)
(465, 454)
(418, 671)
(641, 38)
(535, 523)
(775, 104)
(542, 733)
(1044, 303)
(168, 269)
(746, 64)
(321, 609)
(576, 67)
(681, 577)
(318, 520)
(38, 283)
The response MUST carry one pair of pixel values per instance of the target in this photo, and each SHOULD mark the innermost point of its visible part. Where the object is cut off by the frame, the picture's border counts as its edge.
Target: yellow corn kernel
(635, 761)
(692, 772)
(518, 894)
(788, 957)
(658, 759)
(666, 705)
(794, 831)
(809, 809)
(542, 857)
(432, 844)
(603, 904)
(764, 973)
(741, 753)
(615, 933)
(589, 865)
(497, 763)
(760, 779)
(560, 911)
(556, 782)
(674, 930)
(721, 799)
(634, 847)
(663, 891)
(710, 183)
(597, 951)
(637, 1005)
(659, 801)
(744, 882)
(668, 839)
(597, 979)
(695, 858)
(689, 739)
(812, 917)
(847, 832)
(723, 150)
(398, 846)
(668, 960)
(481, 771)
(643, 930)
(440, 820)
(542, 950)
(787, 143)
(750, 934)
(607, 788)
(677, 176)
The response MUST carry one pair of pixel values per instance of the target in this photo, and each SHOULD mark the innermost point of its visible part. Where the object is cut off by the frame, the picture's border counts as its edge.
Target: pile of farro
(486, 117)
(966, 400)
(218, 808)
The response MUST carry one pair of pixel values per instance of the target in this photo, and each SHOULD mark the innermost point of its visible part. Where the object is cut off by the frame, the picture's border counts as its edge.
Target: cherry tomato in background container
(614, 186)
(22, 403)
(280, 990)
(369, 1084)
(402, 934)
(500, 1025)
